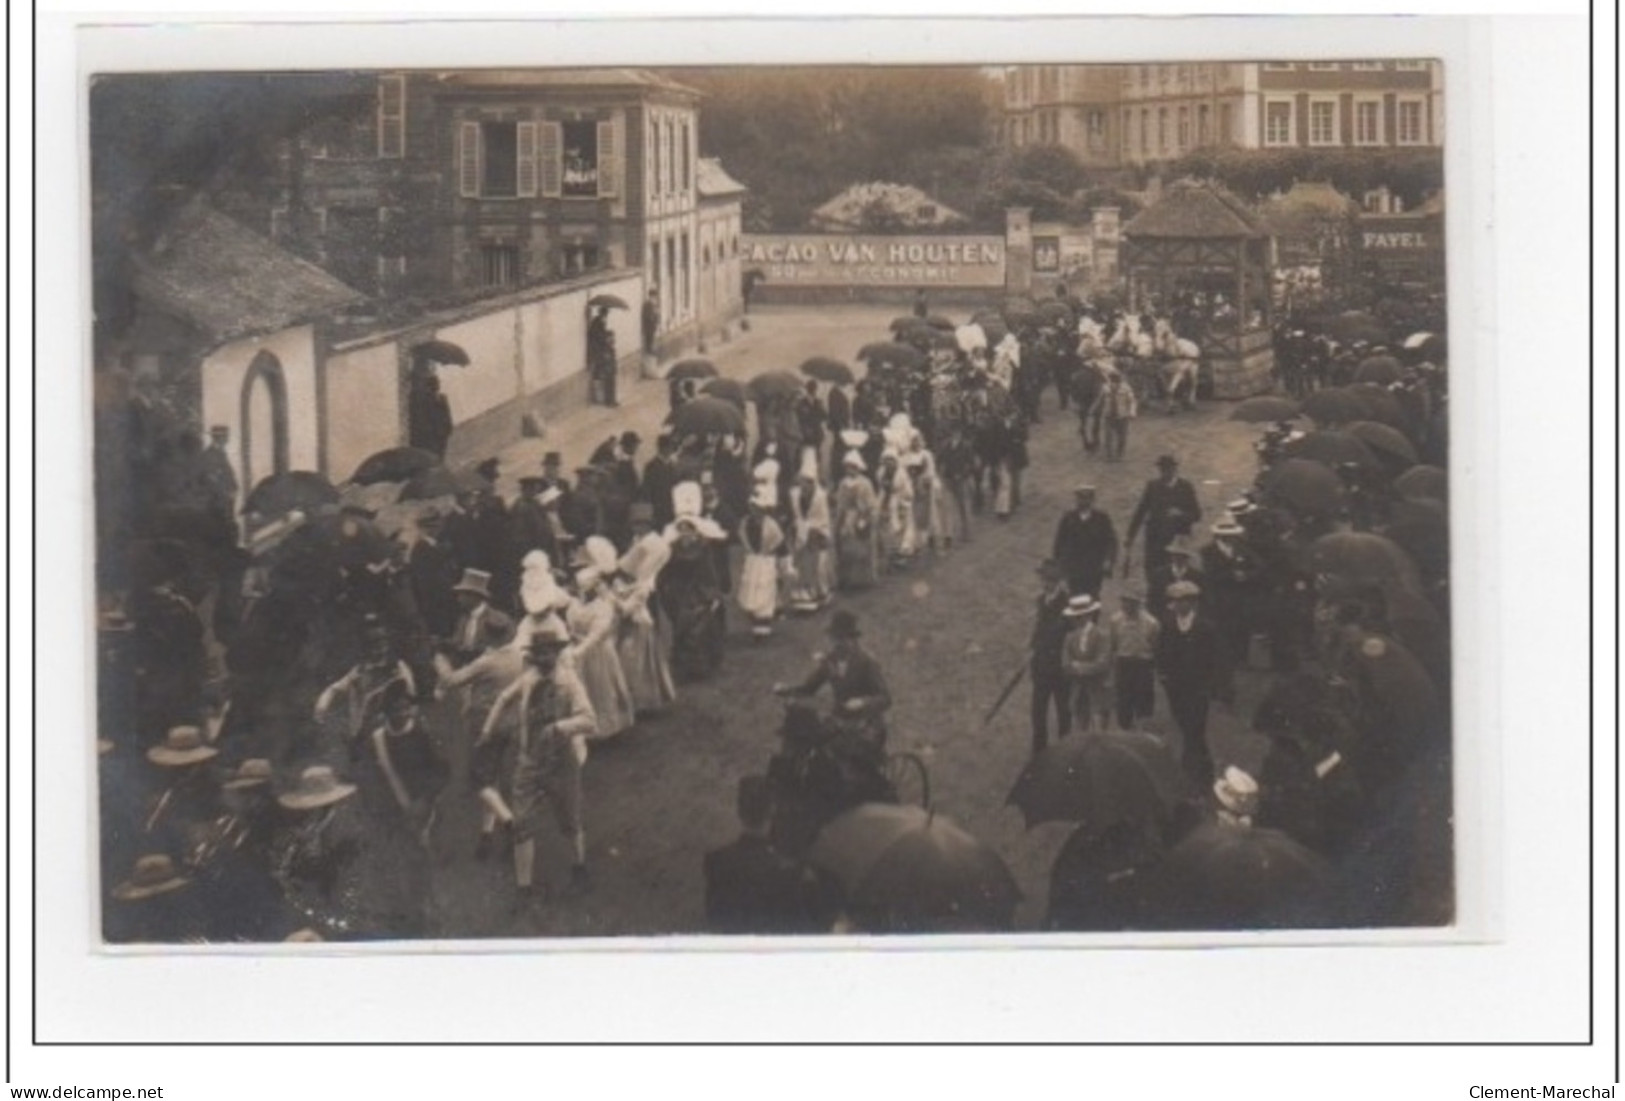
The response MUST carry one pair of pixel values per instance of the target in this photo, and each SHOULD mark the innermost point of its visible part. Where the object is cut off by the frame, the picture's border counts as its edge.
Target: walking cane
(1009, 687)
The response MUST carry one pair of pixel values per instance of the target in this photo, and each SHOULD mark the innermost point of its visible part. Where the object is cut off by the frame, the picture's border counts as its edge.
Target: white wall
(363, 407)
(223, 373)
(492, 376)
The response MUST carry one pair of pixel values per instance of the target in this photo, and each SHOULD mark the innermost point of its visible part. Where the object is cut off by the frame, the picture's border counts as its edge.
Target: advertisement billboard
(874, 260)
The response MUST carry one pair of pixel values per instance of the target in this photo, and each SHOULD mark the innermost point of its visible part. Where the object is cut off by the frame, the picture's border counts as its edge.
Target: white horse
(1181, 362)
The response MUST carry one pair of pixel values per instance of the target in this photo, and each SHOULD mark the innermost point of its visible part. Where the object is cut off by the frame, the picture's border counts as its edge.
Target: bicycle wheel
(909, 779)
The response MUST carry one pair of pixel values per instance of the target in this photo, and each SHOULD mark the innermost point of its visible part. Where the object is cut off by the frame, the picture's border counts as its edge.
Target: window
(668, 182)
(1226, 126)
(575, 259)
(1204, 133)
(688, 167)
(1184, 128)
(497, 160)
(392, 116)
(1410, 66)
(1368, 121)
(1128, 130)
(580, 176)
(1408, 129)
(1145, 75)
(1280, 66)
(1323, 66)
(1145, 130)
(1096, 126)
(1323, 122)
(1278, 122)
(1367, 66)
(499, 265)
(1162, 129)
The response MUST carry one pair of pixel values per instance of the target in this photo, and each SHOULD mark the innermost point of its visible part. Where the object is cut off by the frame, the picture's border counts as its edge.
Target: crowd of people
(280, 688)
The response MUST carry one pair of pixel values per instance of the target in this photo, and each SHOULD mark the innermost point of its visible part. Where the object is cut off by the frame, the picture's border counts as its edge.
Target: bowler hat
(1165, 461)
(843, 624)
(553, 458)
(477, 582)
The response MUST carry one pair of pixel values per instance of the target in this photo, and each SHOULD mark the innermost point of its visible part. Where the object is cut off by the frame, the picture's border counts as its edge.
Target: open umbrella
(614, 302)
(1421, 528)
(1378, 404)
(1387, 442)
(1334, 406)
(729, 390)
(945, 324)
(1331, 448)
(440, 482)
(280, 494)
(825, 369)
(915, 871)
(397, 464)
(1305, 485)
(773, 386)
(707, 415)
(902, 324)
(1055, 312)
(1238, 877)
(1352, 325)
(892, 353)
(440, 351)
(1100, 780)
(692, 368)
(1381, 370)
(1265, 410)
(1423, 483)
(353, 541)
(1363, 556)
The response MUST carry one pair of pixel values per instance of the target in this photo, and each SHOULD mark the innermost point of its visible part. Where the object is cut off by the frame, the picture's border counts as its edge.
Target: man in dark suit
(1167, 508)
(1187, 654)
(529, 526)
(752, 888)
(618, 455)
(1045, 666)
(658, 477)
(435, 573)
(1085, 544)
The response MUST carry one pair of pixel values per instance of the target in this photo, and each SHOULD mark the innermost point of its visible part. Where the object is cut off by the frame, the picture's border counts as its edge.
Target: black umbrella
(1381, 370)
(707, 415)
(1363, 556)
(729, 390)
(440, 351)
(773, 386)
(892, 353)
(1423, 483)
(825, 369)
(945, 324)
(1386, 441)
(1378, 404)
(1100, 780)
(440, 482)
(1335, 406)
(1331, 448)
(397, 464)
(1238, 877)
(915, 871)
(1304, 484)
(692, 368)
(614, 302)
(280, 494)
(1265, 410)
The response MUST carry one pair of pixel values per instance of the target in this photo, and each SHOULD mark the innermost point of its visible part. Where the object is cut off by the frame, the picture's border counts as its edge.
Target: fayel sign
(854, 260)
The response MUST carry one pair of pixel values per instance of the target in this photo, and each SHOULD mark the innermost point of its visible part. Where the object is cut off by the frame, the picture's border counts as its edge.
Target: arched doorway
(264, 420)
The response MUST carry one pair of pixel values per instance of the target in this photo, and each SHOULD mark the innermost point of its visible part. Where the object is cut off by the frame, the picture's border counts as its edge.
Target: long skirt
(599, 667)
(858, 559)
(759, 586)
(815, 575)
(643, 660)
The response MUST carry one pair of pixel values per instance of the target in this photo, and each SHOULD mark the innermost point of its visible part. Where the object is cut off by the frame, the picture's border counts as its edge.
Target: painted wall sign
(860, 260)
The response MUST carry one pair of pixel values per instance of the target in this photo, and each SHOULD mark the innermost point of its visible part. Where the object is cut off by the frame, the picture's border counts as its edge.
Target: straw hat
(1237, 792)
(1081, 605)
(1226, 526)
(854, 461)
(251, 772)
(318, 787)
(854, 437)
(154, 874)
(183, 745)
(1183, 590)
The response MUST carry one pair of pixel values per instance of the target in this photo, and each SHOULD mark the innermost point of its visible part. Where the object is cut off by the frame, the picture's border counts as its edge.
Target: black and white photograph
(780, 500)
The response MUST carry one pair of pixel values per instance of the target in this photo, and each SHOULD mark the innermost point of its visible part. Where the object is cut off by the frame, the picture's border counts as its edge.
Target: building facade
(453, 186)
(1144, 114)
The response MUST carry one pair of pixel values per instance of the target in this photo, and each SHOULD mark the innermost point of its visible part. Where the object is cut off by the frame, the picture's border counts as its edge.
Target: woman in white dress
(762, 537)
(931, 519)
(813, 539)
(593, 620)
(897, 489)
(641, 643)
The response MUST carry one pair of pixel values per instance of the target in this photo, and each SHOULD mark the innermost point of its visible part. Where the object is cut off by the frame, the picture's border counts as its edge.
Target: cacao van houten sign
(858, 260)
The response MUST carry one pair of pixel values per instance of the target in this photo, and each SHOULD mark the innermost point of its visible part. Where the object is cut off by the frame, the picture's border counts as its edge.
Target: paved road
(949, 631)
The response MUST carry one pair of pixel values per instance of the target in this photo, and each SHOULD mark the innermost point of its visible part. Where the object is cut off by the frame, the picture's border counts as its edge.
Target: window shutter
(552, 154)
(527, 139)
(609, 160)
(392, 116)
(468, 160)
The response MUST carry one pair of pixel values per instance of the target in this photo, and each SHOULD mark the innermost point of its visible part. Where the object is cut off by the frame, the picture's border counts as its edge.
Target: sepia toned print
(568, 502)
